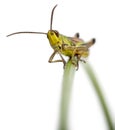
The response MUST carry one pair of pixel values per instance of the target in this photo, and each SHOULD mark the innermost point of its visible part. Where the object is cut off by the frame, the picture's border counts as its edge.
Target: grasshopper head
(53, 37)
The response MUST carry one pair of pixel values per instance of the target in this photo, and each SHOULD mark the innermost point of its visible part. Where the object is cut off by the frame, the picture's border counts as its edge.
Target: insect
(73, 47)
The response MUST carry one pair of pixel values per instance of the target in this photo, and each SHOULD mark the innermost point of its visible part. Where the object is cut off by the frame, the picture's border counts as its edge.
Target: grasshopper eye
(56, 32)
(52, 33)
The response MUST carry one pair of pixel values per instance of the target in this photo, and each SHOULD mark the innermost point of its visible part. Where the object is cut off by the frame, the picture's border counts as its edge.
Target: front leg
(52, 56)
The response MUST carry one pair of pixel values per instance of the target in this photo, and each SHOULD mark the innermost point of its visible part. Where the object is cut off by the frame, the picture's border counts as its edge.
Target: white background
(30, 87)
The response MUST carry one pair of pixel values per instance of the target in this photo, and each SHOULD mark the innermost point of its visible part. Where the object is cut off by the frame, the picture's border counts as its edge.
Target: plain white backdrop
(30, 87)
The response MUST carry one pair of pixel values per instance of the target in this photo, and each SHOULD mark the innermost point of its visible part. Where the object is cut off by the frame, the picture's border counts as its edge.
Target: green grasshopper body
(69, 46)
(73, 47)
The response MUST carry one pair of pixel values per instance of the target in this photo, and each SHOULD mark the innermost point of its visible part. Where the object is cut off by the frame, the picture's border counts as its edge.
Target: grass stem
(97, 87)
(67, 82)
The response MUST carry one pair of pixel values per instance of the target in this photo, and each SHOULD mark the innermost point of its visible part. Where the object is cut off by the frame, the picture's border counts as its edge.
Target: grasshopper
(73, 47)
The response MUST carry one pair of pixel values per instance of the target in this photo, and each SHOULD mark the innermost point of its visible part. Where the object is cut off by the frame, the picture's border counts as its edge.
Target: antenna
(51, 21)
(26, 32)
(37, 32)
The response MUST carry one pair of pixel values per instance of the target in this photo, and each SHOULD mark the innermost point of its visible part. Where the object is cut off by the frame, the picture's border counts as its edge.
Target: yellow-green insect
(73, 47)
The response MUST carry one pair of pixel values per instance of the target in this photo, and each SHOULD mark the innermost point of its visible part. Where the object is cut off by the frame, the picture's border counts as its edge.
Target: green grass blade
(67, 82)
(97, 87)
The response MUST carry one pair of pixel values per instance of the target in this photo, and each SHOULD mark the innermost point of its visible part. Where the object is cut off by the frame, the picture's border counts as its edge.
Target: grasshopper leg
(52, 56)
(78, 56)
(77, 62)
(82, 60)
(73, 57)
(77, 53)
(77, 35)
(64, 62)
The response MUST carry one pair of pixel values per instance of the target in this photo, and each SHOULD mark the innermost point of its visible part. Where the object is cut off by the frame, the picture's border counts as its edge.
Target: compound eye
(57, 33)
(52, 33)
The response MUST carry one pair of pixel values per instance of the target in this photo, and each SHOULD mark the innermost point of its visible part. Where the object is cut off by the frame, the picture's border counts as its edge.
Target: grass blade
(97, 87)
(67, 82)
